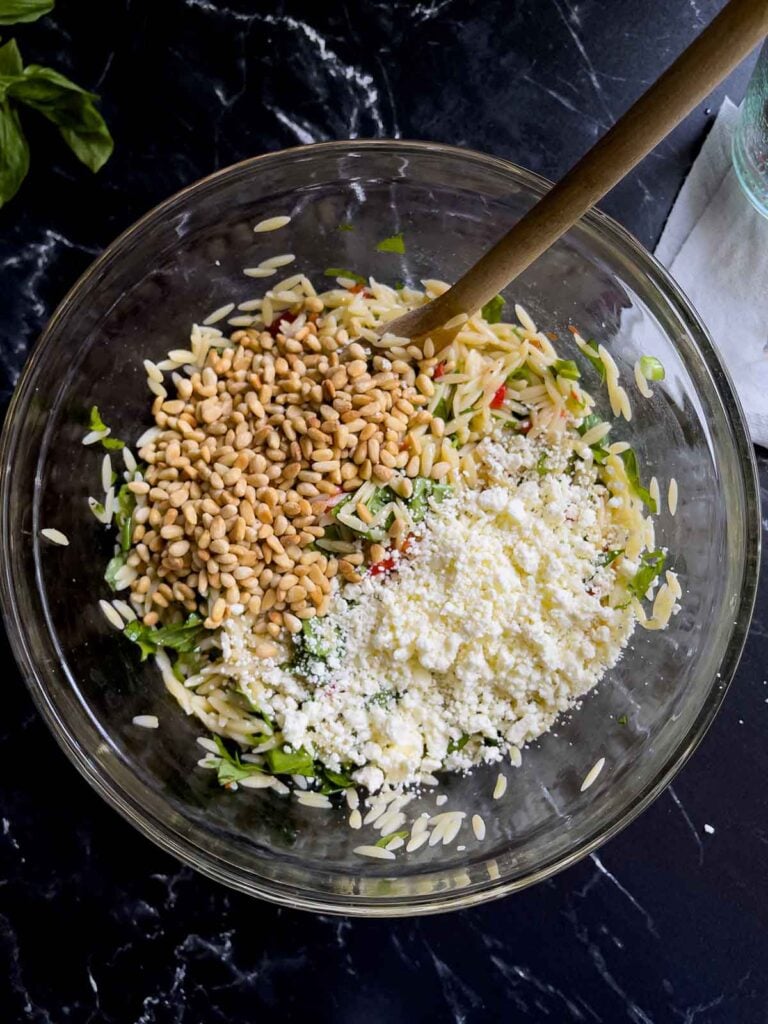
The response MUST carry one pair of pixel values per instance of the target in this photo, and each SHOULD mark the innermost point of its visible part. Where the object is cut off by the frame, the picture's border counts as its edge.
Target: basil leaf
(10, 60)
(70, 108)
(114, 565)
(14, 152)
(651, 368)
(567, 368)
(651, 566)
(633, 476)
(15, 11)
(298, 762)
(395, 243)
(491, 311)
(341, 272)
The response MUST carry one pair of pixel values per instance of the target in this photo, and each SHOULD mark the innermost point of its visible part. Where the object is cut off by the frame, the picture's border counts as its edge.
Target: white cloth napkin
(715, 245)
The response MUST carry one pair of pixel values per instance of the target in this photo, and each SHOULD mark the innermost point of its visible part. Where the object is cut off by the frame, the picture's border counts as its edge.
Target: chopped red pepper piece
(274, 327)
(439, 371)
(498, 399)
(385, 565)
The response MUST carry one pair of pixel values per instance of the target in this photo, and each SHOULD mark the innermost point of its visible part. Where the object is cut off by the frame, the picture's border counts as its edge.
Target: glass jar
(750, 140)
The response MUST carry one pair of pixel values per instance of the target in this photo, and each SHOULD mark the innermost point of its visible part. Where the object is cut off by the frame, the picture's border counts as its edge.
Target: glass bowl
(138, 300)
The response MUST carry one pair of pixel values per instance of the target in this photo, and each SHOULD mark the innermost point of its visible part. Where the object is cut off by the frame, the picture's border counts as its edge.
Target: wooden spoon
(721, 46)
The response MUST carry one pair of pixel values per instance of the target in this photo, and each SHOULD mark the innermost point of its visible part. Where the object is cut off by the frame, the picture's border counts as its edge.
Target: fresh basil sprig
(51, 94)
(14, 11)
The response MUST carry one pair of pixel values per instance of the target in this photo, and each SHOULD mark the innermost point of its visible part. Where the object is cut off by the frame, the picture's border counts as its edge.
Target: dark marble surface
(669, 922)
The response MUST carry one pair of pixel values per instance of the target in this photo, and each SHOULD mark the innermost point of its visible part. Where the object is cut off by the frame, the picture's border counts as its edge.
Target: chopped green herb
(96, 507)
(567, 368)
(114, 565)
(622, 719)
(386, 840)
(651, 368)
(112, 444)
(345, 227)
(492, 310)
(633, 476)
(183, 637)
(297, 762)
(395, 243)
(541, 464)
(651, 566)
(341, 272)
(524, 373)
(314, 645)
(423, 490)
(382, 699)
(398, 286)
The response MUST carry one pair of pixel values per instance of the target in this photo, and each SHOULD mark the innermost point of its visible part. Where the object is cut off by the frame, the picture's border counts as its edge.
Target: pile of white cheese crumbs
(493, 624)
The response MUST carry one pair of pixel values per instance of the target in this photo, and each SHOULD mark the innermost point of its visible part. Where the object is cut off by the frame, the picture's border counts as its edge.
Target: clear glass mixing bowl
(184, 259)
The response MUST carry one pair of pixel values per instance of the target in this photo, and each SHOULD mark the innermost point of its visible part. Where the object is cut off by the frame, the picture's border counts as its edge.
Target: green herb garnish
(382, 699)
(395, 243)
(97, 425)
(633, 476)
(183, 637)
(342, 272)
(651, 368)
(492, 310)
(541, 464)
(345, 227)
(651, 566)
(622, 719)
(524, 373)
(567, 368)
(44, 90)
(314, 645)
(331, 781)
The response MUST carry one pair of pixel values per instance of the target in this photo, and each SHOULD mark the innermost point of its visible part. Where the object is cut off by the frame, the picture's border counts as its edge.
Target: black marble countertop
(669, 921)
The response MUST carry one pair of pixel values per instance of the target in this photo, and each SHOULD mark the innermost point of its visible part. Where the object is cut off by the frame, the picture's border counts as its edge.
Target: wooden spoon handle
(720, 47)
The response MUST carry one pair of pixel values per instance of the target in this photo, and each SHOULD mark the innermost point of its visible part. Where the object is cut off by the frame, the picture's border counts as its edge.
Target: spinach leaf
(567, 368)
(423, 490)
(492, 310)
(14, 151)
(297, 762)
(608, 556)
(459, 744)
(313, 646)
(633, 476)
(395, 243)
(230, 768)
(14, 11)
(332, 782)
(183, 637)
(651, 566)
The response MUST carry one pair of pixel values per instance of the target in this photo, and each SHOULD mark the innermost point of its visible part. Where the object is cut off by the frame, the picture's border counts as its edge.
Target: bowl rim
(162, 832)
